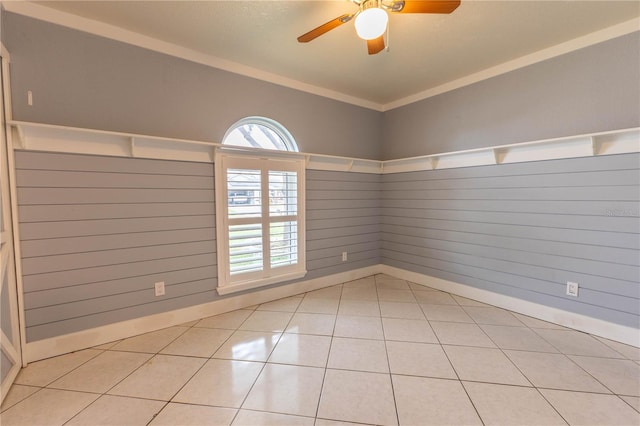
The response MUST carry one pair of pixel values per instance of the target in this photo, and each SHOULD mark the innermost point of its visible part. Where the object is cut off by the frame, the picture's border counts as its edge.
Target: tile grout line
(579, 366)
(131, 373)
(264, 364)
(624, 358)
(386, 350)
(451, 364)
(326, 364)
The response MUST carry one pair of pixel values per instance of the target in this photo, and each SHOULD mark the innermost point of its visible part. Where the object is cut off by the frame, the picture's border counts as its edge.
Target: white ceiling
(426, 51)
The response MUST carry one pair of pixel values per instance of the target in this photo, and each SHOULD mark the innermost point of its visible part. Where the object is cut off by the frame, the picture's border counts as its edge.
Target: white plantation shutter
(260, 220)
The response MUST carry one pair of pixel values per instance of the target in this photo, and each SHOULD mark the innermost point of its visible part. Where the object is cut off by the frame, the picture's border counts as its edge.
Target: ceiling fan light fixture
(371, 23)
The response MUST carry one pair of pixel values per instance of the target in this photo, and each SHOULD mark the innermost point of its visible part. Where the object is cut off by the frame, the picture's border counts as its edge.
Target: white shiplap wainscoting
(46, 348)
(58, 139)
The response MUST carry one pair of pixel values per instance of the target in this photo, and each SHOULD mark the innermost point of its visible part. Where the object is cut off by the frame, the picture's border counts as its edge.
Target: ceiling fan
(371, 19)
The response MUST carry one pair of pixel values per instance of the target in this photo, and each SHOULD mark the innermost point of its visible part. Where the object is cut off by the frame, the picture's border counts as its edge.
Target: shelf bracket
(595, 146)
(496, 155)
(22, 140)
(433, 162)
(132, 146)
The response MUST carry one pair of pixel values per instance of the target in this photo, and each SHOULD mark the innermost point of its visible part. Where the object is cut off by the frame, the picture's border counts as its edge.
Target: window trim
(273, 125)
(222, 159)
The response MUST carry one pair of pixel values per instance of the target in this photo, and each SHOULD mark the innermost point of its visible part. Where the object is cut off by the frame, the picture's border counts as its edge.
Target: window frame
(284, 135)
(265, 161)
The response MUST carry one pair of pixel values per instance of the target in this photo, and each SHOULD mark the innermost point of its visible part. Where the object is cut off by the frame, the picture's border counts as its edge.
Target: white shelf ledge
(606, 143)
(343, 164)
(45, 137)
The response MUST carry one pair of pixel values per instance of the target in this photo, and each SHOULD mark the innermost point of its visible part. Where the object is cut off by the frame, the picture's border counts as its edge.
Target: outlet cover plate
(572, 289)
(159, 288)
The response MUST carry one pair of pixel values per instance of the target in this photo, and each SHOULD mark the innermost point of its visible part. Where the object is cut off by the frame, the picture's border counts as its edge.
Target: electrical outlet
(572, 289)
(159, 288)
(344, 256)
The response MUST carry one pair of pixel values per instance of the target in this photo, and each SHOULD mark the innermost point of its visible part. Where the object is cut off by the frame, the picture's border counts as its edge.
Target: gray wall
(82, 80)
(343, 214)
(98, 232)
(524, 230)
(594, 89)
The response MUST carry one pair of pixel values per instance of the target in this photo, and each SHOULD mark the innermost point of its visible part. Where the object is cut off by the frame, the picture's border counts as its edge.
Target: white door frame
(9, 247)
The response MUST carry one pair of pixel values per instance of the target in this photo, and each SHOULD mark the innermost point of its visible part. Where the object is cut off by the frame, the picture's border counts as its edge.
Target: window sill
(248, 285)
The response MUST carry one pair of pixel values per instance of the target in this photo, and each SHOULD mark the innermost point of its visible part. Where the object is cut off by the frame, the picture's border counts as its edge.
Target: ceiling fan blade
(326, 27)
(376, 45)
(424, 6)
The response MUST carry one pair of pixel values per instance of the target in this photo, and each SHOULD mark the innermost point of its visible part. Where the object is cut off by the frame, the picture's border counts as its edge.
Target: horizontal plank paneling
(342, 231)
(620, 225)
(62, 229)
(488, 240)
(64, 179)
(549, 274)
(329, 204)
(98, 232)
(323, 175)
(98, 319)
(343, 215)
(370, 246)
(333, 261)
(122, 256)
(582, 207)
(56, 213)
(338, 242)
(320, 214)
(27, 196)
(60, 295)
(551, 180)
(83, 308)
(34, 160)
(342, 222)
(341, 194)
(94, 243)
(336, 268)
(578, 236)
(554, 301)
(93, 250)
(345, 185)
(106, 273)
(490, 271)
(524, 230)
(581, 193)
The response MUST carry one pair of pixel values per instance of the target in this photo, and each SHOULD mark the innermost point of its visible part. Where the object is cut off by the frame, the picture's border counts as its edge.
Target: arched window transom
(260, 132)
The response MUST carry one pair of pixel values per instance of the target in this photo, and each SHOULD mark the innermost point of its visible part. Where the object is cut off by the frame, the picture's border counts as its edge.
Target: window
(260, 132)
(260, 212)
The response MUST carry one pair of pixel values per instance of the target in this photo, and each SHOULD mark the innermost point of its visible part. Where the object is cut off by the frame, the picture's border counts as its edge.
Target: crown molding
(113, 32)
(600, 36)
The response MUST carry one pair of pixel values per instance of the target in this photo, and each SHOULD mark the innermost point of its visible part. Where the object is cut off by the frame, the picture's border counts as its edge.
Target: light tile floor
(378, 350)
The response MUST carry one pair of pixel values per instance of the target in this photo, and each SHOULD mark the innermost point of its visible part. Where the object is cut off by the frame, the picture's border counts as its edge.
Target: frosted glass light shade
(371, 23)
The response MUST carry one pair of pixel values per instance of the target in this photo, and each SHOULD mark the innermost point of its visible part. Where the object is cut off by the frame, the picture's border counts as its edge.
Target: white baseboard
(606, 329)
(59, 345)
